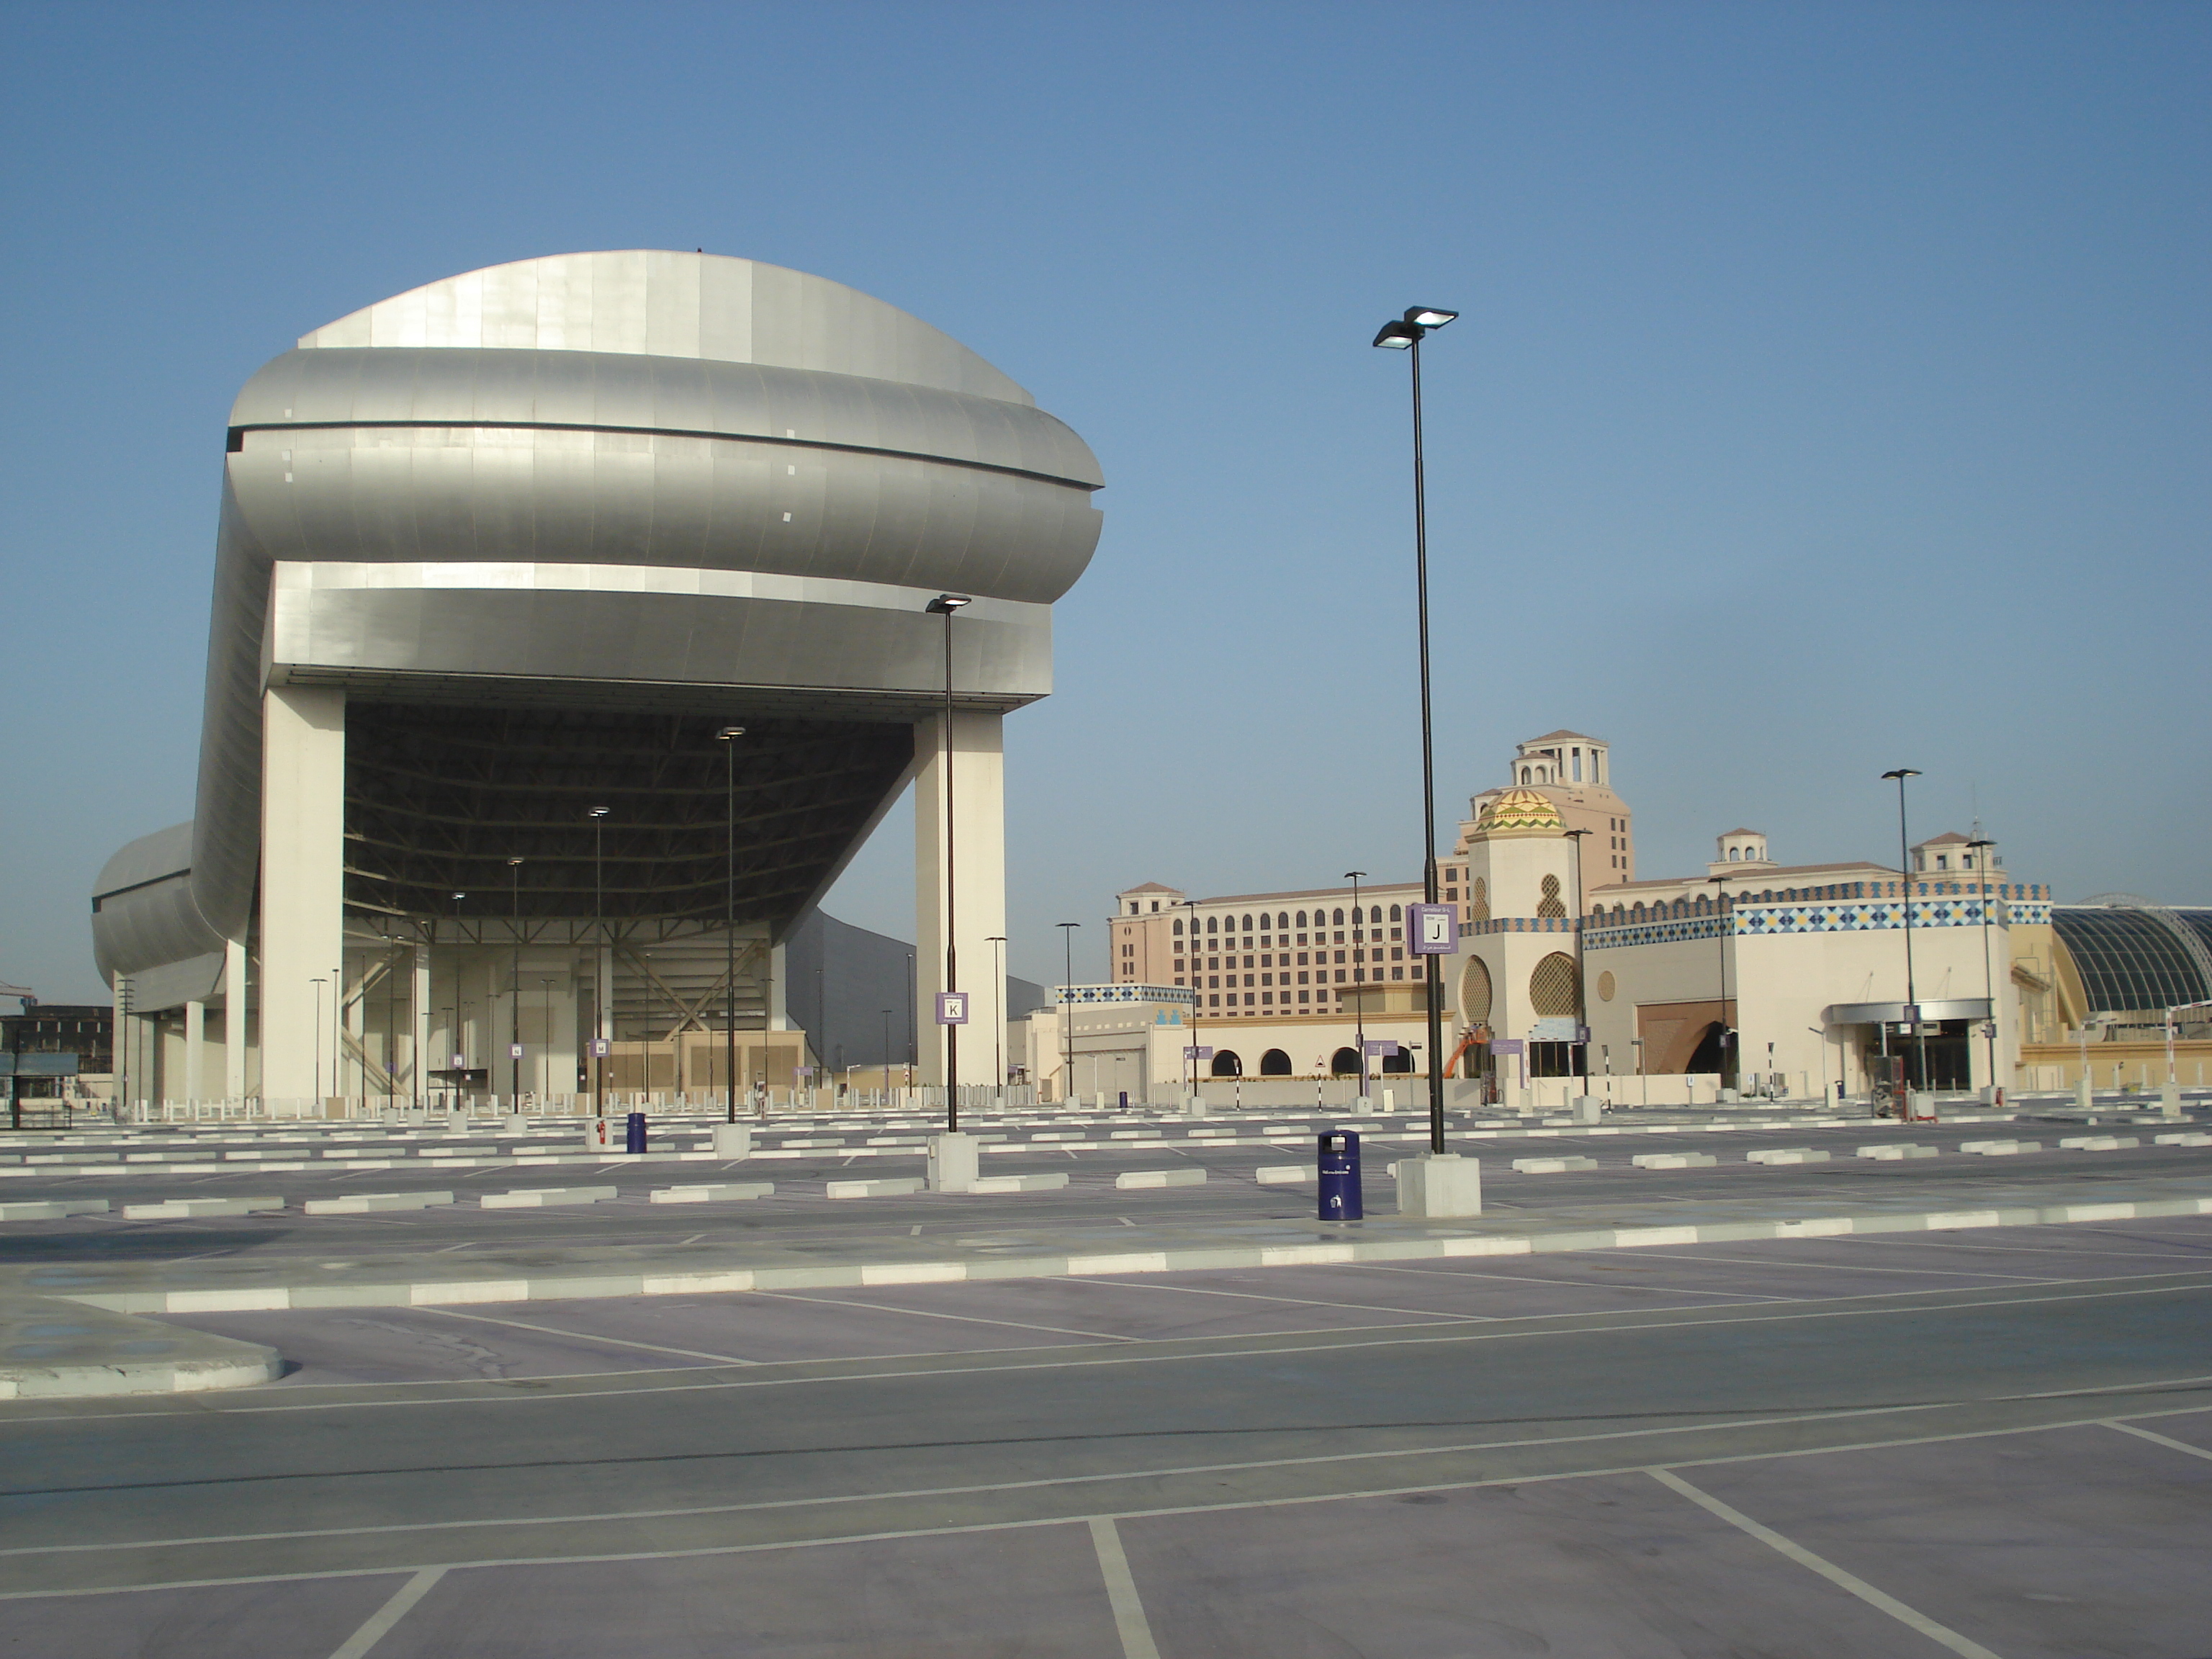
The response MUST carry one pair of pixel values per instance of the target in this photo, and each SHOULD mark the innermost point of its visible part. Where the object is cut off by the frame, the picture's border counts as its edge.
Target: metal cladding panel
(671, 305)
(412, 493)
(464, 387)
(144, 911)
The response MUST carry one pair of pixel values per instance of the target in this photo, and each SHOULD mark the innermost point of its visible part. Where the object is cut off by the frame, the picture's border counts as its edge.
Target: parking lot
(1977, 1443)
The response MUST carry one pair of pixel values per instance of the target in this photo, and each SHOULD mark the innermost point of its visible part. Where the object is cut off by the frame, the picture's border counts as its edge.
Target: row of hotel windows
(1321, 918)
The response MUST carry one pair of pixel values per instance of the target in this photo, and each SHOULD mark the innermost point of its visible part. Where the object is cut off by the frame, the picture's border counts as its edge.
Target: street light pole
(999, 1012)
(727, 737)
(318, 984)
(600, 952)
(1359, 998)
(1582, 1000)
(1406, 335)
(944, 606)
(514, 1003)
(1981, 847)
(1067, 1008)
(1721, 939)
(1196, 1000)
(1905, 870)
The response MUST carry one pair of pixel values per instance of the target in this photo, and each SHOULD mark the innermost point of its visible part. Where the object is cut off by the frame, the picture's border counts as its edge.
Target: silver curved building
(519, 544)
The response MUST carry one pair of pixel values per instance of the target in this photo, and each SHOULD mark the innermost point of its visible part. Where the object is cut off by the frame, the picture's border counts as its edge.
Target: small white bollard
(952, 1162)
(1439, 1185)
(733, 1140)
(713, 1193)
(1133, 1178)
(1195, 1106)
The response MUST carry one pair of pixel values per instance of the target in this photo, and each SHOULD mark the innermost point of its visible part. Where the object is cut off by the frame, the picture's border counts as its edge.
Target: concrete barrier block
(2182, 1140)
(53, 1209)
(1772, 1155)
(1129, 1178)
(1553, 1165)
(2098, 1143)
(1896, 1151)
(1019, 1183)
(2000, 1148)
(1673, 1160)
(722, 1191)
(532, 1198)
(1439, 1185)
(172, 1209)
(1285, 1175)
(897, 1187)
(371, 1203)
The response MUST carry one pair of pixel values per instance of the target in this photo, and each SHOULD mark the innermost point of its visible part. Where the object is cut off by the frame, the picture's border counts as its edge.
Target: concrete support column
(302, 876)
(233, 1019)
(420, 1058)
(195, 1050)
(356, 1025)
(778, 988)
(978, 829)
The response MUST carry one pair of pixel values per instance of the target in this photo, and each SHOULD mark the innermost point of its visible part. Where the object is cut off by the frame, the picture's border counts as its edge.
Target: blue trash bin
(634, 1132)
(1339, 1176)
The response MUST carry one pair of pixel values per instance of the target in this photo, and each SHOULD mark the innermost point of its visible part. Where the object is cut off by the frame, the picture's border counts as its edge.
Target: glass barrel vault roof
(2129, 959)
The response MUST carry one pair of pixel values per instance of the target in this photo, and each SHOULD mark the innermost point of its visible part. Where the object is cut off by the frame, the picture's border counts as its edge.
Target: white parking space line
(586, 1336)
(1129, 1621)
(1563, 1284)
(925, 1313)
(381, 1621)
(1943, 1634)
(2159, 1439)
(1855, 1267)
(1294, 1301)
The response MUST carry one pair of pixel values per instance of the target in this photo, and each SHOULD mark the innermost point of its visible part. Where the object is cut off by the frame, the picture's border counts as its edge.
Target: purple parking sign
(1431, 930)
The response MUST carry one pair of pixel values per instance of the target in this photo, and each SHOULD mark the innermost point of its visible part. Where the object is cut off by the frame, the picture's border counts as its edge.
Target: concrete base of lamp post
(2169, 1099)
(1586, 1109)
(733, 1140)
(1195, 1106)
(953, 1160)
(2084, 1096)
(1439, 1184)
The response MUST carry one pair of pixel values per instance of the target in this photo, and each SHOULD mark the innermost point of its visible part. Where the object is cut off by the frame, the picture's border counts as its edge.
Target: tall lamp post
(727, 737)
(1904, 869)
(514, 1003)
(1981, 847)
(1359, 998)
(1720, 940)
(1406, 334)
(997, 942)
(318, 984)
(1196, 1000)
(944, 606)
(1067, 1008)
(1582, 1001)
(600, 952)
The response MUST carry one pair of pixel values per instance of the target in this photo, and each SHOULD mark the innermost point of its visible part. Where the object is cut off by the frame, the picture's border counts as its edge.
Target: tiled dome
(1520, 812)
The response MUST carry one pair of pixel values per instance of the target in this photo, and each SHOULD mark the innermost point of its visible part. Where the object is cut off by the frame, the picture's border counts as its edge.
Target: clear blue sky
(1831, 393)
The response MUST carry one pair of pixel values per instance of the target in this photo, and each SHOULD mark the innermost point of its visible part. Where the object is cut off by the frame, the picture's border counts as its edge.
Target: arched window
(1619, 914)
(1375, 913)
(1474, 992)
(1301, 918)
(1639, 914)
(1479, 900)
(1549, 905)
(1178, 925)
(1214, 924)
(1345, 1062)
(1551, 987)
(1274, 1063)
(1282, 920)
(1524, 774)
(1734, 853)
(1396, 914)
(1339, 918)
(1225, 1063)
